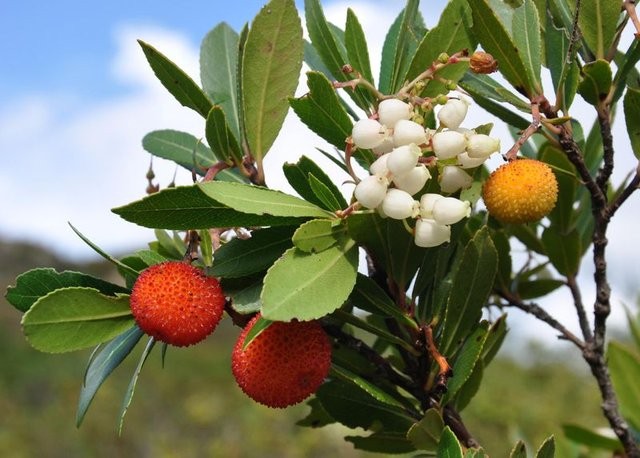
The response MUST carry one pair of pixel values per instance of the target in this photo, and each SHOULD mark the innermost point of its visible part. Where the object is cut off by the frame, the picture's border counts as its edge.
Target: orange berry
(177, 303)
(521, 191)
(284, 364)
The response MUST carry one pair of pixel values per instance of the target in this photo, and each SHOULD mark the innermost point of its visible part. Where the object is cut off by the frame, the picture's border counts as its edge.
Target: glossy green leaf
(242, 41)
(472, 284)
(341, 373)
(271, 65)
(318, 416)
(470, 388)
(307, 286)
(624, 366)
(596, 82)
(487, 87)
(220, 137)
(592, 439)
(562, 215)
(382, 442)
(102, 365)
(449, 446)
(370, 297)
(244, 293)
(356, 45)
(425, 434)
(325, 194)
(257, 200)
(299, 177)
(526, 38)
(168, 246)
(176, 81)
(503, 248)
(627, 73)
(321, 110)
(372, 327)
(466, 360)
(495, 108)
(564, 250)
(519, 450)
(527, 234)
(73, 318)
(632, 118)
(188, 207)
(218, 66)
(317, 235)
(547, 449)
(452, 34)
(497, 333)
(239, 257)
(128, 397)
(563, 74)
(36, 283)
(598, 21)
(258, 328)
(538, 288)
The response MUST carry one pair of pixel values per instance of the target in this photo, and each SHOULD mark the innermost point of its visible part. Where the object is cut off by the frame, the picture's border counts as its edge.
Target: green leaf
(624, 366)
(627, 72)
(372, 327)
(475, 453)
(449, 447)
(257, 200)
(519, 450)
(497, 333)
(631, 105)
(220, 137)
(634, 327)
(452, 34)
(132, 384)
(470, 388)
(563, 74)
(547, 449)
(218, 66)
(307, 286)
(596, 82)
(325, 194)
(503, 247)
(425, 434)
(36, 283)
(188, 207)
(176, 81)
(271, 65)
(73, 318)
(239, 258)
(598, 21)
(526, 38)
(170, 247)
(382, 442)
(244, 293)
(317, 235)
(356, 45)
(492, 26)
(494, 108)
(538, 288)
(485, 86)
(527, 234)
(564, 250)
(322, 111)
(299, 177)
(368, 296)
(102, 364)
(340, 373)
(562, 216)
(472, 284)
(592, 439)
(466, 361)
(318, 417)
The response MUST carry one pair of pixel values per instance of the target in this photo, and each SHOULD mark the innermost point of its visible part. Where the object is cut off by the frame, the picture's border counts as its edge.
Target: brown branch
(526, 134)
(630, 6)
(585, 327)
(444, 369)
(452, 419)
(626, 193)
(604, 120)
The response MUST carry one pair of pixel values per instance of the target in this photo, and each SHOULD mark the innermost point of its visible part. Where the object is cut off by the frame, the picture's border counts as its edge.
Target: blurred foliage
(176, 413)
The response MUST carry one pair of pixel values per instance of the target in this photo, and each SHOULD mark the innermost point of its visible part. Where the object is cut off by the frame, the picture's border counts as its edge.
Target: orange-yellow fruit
(521, 191)
(177, 303)
(284, 364)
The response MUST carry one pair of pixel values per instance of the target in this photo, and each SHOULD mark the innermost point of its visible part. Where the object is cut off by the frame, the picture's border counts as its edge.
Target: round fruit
(284, 364)
(177, 303)
(521, 191)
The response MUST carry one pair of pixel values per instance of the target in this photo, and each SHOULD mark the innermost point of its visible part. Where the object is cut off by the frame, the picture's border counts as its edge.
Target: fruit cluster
(178, 304)
(403, 147)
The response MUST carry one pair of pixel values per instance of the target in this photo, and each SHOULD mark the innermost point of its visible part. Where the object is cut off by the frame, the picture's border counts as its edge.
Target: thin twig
(585, 327)
(633, 185)
(604, 120)
(630, 6)
(526, 134)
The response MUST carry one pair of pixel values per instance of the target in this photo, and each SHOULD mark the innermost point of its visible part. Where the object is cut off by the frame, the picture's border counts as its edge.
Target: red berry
(284, 364)
(177, 303)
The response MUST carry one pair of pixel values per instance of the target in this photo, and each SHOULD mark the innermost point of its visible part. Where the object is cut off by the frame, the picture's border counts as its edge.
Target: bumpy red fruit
(521, 191)
(284, 364)
(177, 303)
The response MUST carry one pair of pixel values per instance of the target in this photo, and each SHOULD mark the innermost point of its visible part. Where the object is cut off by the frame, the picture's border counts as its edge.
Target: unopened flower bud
(448, 144)
(414, 180)
(371, 191)
(427, 201)
(390, 111)
(403, 159)
(368, 133)
(398, 204)
(482, 62)
(406, 132)
(450, 210)
(480, 145)
(453, 178)
(466, 162)
(428, 233)
(379, 166)
(453, 113)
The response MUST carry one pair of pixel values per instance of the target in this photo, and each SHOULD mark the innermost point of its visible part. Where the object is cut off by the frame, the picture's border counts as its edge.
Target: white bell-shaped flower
(368, 133)
(390, 111)
(399, 204)
(406, 132)
(482, 146)
(448, 144)
(385, 147)
(403, 158)
(427, 201)
(450, 210)
(466, 162)
(379, 166)
(371, 191)
(414, 180)
(453, 113)
(429, 233)
(453, 179)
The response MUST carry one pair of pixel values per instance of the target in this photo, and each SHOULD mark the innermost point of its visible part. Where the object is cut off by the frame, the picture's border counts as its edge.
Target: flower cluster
(403, 146)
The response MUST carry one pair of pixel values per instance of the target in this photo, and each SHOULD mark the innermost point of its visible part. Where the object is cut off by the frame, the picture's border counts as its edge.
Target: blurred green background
(193, 408)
